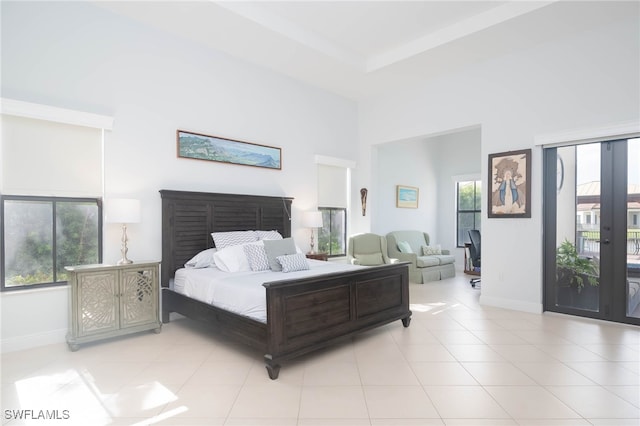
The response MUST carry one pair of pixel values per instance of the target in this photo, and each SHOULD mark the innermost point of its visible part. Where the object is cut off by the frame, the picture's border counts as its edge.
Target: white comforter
(242, 292)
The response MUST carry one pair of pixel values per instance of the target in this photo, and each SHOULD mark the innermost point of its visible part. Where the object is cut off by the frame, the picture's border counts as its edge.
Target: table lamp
(123, 211)
(312, 220)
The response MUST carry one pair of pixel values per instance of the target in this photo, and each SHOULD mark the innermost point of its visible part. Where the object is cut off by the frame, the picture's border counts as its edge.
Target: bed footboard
(308, 314)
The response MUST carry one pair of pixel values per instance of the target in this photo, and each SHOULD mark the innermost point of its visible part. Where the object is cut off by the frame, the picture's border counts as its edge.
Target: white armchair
(368, 250)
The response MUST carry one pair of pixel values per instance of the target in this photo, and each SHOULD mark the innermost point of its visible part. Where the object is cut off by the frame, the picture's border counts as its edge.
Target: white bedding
(242, 292)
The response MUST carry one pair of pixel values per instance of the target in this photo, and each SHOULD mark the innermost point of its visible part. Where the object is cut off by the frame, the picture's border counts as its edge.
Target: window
(332, 237)
(42, 235)
(468, 209)
(333, 184)
(51, 186)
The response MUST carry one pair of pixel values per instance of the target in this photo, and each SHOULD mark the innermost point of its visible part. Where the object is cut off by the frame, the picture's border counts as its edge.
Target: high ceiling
(364, 48)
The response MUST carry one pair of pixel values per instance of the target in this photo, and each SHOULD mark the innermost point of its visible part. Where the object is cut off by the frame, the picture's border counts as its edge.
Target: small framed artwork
(406, 197)
(213, 148)
(510, 184)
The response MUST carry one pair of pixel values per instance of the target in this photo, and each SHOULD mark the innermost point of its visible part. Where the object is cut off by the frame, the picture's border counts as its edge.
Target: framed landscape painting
(510, 184)
(213, 148)
(406, 197)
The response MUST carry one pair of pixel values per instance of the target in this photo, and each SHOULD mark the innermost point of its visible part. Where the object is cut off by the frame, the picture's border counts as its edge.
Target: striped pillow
(233, 238)
(293, 262)
(269, 235)
(257, 257)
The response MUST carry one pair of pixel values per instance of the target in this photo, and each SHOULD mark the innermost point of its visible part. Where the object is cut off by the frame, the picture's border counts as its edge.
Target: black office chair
(474, 251)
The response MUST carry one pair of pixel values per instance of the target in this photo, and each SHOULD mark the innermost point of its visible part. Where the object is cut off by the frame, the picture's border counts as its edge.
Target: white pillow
(293, 262)
(204, 259)
(232, 259)
(233, 238)
(269, 235)
(431, 250)
(256, 256)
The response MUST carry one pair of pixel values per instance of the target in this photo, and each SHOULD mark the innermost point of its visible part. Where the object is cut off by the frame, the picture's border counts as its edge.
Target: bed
(302, 314)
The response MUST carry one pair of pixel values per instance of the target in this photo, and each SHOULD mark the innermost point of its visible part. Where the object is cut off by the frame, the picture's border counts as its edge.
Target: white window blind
(332, 186)
(41, 157)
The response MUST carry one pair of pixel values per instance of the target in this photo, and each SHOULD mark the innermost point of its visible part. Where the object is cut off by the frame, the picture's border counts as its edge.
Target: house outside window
(42, 235)
(468, 209)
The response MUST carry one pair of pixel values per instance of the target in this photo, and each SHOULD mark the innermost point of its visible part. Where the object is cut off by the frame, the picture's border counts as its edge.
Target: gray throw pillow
(275, 248)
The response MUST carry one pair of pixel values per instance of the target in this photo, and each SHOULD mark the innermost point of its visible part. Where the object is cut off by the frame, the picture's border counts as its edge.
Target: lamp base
(312, 244)
(124, 250)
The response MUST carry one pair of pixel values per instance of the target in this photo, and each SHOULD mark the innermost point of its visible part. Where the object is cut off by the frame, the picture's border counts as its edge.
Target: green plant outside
(573, 268)
(32, 259)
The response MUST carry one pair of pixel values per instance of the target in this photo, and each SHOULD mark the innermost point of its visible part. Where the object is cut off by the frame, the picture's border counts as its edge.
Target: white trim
(334, 161)
(515, 305)
(624, 130)
(450, 33)
(465, 178)
(35, 340)
(22, 290)
(58, 115)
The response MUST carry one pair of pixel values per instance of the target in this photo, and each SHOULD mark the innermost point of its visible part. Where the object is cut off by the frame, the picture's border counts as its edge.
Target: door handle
(605, 241)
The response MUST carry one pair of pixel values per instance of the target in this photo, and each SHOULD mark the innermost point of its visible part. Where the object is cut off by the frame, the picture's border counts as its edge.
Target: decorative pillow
(268, 235)
(431, 250)
(204, 259)
(275, 248)
(232, 259)
(370, 259)
(293, 262)
(257, 257)
(404, 247)
(233, 238)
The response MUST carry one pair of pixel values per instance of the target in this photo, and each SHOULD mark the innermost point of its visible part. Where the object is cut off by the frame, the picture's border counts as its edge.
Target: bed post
(272, 368)
(165, 306)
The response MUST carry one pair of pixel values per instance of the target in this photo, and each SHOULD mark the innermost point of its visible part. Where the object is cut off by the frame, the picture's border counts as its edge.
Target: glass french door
(592, 230)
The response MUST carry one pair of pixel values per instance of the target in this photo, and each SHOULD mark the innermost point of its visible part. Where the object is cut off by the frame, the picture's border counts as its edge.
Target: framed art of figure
(406, 197)
(510, 184)
(213, 148)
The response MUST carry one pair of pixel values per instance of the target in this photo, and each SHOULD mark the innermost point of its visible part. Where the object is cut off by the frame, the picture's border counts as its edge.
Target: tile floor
(458, 363)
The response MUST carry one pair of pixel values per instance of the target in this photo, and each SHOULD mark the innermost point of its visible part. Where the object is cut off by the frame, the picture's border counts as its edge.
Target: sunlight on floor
(79, 387)
(434, 308)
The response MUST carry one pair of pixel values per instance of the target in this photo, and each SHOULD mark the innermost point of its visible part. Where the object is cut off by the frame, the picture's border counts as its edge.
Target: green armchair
(368, 250)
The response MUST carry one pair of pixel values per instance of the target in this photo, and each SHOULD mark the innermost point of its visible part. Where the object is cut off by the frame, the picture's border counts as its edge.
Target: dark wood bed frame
(303, 314)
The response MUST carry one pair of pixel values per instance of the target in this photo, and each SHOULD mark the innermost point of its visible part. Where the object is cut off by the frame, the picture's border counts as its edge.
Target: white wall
(429, 163)
(581, 80)
(78, 56)
(409, 163)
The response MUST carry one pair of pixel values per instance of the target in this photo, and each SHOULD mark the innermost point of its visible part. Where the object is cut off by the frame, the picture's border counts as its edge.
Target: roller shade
(41, 157)
(332, 186)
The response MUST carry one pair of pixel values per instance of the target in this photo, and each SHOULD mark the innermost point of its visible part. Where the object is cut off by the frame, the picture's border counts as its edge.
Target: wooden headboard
(188, 219)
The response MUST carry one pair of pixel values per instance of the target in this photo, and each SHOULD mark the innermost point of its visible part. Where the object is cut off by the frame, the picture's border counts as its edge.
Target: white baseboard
(516, 305)
(20, 343)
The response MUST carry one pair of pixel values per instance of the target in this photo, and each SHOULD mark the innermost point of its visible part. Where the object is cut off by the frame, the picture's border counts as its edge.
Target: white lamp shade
(312, 219)
(123, 210)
